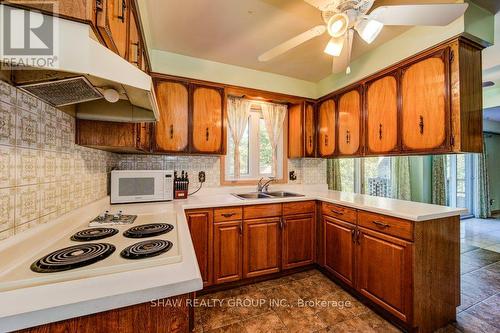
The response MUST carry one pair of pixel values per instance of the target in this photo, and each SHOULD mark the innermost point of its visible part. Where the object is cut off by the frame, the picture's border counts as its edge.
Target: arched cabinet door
(309, 130)
(207, 119)
(349, 119)
(381, 96)
(326, 128)
(425, 103)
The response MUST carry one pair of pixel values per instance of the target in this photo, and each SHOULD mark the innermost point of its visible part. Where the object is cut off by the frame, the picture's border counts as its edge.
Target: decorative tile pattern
(42, 173)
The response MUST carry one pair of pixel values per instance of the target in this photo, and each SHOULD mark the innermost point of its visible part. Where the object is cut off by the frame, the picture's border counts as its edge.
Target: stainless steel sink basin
(284, 194)
(253, 195)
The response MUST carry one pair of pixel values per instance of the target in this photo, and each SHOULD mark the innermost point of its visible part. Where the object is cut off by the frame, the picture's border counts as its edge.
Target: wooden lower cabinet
(384, 271)
(227, 251)
(338, 248)
(200, 224)
(261, 246)
(298, 240)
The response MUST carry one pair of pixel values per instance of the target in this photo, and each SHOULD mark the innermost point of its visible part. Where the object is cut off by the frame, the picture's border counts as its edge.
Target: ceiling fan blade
(322, 5)
(340, 63)
(292, 42)
(425, 14)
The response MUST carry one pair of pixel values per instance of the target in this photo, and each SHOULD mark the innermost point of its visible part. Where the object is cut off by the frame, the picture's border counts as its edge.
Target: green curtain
(400, 178)
(483, 185)
(333, 174)
(438, 179)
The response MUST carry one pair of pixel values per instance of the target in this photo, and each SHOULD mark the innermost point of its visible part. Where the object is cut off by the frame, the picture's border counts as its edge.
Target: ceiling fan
(343, 17)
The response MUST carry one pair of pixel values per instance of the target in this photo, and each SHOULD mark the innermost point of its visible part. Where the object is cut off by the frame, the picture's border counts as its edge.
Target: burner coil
(93, 234)
(148, 230)
(146, 249)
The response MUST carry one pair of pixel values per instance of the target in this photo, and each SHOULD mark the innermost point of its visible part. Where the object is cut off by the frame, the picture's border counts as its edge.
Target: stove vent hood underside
(80, 55)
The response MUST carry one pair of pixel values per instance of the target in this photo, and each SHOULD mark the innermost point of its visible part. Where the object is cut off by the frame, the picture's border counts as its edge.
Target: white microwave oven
(141, 185)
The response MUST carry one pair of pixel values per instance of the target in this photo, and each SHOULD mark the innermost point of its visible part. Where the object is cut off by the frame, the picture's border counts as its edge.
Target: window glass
(244, 154)
(377, 176)
(265, 151)
(347, 174)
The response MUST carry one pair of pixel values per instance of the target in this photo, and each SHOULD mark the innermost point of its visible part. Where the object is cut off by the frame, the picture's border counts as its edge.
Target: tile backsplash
(43, 174)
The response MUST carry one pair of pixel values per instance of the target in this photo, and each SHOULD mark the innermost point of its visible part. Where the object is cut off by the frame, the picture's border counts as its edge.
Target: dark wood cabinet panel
(326, 128)
(261, 246)
(200, 224)
(112, 22)
(338, 248)
(295, 131)
(228, 251)
(309, 130)
(135, 47)
(349, 122)
(298, 240)
(382, 115)
(384, 271)
(171, 132)
(207, 120)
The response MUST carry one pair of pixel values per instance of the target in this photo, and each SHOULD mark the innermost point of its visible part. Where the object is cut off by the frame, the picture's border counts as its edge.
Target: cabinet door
(261, 246)
(80, 10)
(134, 52)
(309, 130)
(425, 104)
(200, 224)
(295, 131)
(298, 240)
(382, 115)
(338, 248)
(326, 128)
(207, 120)
(349, 122)
(171, 131)
(144, 136)
(112, 23)
(384, 273)
(227, 251)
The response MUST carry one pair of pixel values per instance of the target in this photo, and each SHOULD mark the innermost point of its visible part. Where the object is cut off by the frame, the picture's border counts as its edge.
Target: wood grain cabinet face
(227, 251)
(298, 240)
(384, 271)
(134, 52)
(112, 22)
(171, 131)
(349, 118)
(295, 131)
(207, 119)
(425, 99)
(309, 130)
(200, 224)
(382, 115)
(326, 128)
(339, 248)
(261, 246)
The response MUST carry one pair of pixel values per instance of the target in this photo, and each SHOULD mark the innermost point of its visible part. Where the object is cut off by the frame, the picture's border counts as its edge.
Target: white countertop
(36, 305)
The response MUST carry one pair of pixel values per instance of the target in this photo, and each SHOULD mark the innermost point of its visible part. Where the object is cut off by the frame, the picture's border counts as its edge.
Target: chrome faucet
(264, 187)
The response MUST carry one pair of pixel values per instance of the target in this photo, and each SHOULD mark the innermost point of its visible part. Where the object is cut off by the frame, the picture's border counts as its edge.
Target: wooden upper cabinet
(349, 126)
(227, 251)
(382, 115)
(134, 52)
(326, 128)
(207, 120)
(200, 224)
(171, 131)
(309, 130)
(298, 240)
(295, 131)
(384, 268)
(112, 22)
(79, 10)
(425, 103)
(338, 248)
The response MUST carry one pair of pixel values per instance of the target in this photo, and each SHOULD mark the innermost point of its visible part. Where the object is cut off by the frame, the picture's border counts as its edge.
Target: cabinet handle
(310, 141)
(326, 139)
(381, 224)
(348, 137)
(98, 5)
(136, 53)
(358, 234)
(172, 131)
(228, 214)
(353, 235)
(207, 135)
(240, 227)
(337, 212)
(122, 16)
(380, 132)
(281, 223)
(421, 125)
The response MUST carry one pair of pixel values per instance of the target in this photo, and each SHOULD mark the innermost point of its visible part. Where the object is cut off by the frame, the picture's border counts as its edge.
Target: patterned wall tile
(8, 165)
(49, 167)
(27, 129)
(49, 130)
(27, 203)
(49, 198)
(8, 114)
(8, 93)
(28, 166)
(28, 102)
(7, 208)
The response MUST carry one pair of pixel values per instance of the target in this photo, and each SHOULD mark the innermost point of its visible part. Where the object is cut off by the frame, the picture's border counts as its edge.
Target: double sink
(267, 195)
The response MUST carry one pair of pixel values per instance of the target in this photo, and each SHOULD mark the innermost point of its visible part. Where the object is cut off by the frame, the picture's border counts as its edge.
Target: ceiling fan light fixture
(369, 29)
(337, 24)
(334, 46)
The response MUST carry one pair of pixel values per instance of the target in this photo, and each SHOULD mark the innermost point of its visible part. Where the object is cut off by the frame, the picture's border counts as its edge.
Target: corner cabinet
(112, 20)
(302, 130)
(309, 130)
(207, 119)
(326, 128)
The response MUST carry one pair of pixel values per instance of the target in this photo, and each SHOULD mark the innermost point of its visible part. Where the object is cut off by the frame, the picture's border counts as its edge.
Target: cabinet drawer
(228, 214)
(339, 212)
(301, 207)
(258, 211)
(386, 224)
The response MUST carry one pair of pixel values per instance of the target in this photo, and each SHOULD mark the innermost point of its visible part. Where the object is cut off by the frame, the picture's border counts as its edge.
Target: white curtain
(274, 116)
(238, 110)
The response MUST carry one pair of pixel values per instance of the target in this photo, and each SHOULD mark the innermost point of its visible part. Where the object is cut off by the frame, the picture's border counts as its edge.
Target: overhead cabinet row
(428, 104)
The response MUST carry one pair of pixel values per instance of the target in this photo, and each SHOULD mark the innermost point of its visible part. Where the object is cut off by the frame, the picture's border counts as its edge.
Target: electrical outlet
(201, 176)
(292, 175)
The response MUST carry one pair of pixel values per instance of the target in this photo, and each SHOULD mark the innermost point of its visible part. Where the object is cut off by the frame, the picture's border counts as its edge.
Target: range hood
(84, 70)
